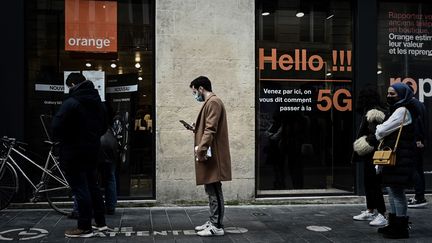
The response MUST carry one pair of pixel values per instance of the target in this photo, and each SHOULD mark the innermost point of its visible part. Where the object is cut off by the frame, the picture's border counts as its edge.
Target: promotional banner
(405, 54)
(304, 80)
(90, 26)
(405, 39)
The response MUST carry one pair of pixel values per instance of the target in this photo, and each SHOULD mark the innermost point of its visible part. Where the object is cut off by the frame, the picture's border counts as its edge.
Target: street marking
(318, 228)
(23, 234)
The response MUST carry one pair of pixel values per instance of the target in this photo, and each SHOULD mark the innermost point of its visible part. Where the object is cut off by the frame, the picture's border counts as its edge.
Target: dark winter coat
(78, 126)
(109, 150)
(402, 173)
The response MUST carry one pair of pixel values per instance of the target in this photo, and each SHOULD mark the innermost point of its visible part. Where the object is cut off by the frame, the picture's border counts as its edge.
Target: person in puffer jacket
(364, 146)
(400, 176)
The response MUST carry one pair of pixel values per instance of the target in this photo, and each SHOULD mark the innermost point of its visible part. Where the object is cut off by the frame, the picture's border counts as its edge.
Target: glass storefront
(404, 55)
(304, 97)
(123, 73)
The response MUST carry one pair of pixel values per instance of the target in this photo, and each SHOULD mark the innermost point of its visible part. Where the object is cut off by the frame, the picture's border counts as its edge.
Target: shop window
(404, 35)
(304, 97)
(119, 60)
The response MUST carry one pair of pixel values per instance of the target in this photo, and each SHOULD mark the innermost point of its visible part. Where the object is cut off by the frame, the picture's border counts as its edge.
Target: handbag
(387, 156)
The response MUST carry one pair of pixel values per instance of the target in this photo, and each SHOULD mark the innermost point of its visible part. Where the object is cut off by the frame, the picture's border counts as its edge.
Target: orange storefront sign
(90, 26)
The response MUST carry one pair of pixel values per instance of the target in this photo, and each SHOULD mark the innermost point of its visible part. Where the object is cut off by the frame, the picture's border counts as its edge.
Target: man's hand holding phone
(187, 125)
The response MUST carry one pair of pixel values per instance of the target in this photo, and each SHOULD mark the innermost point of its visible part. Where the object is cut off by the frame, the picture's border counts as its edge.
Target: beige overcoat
(211, 130)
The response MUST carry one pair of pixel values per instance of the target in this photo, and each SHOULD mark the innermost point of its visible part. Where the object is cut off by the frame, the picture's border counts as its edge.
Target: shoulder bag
(387, 156)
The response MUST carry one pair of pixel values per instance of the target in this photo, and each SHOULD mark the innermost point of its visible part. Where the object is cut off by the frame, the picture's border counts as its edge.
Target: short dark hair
(75, 78)
(203, 82)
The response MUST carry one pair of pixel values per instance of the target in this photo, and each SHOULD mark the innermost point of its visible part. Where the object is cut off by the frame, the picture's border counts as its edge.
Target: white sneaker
(204, 226)
(379, 220)
(211, 231)
(364, 216)
(101, 228)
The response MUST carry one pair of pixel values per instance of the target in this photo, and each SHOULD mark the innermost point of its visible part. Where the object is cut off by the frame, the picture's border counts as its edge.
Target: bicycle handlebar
(12, 141)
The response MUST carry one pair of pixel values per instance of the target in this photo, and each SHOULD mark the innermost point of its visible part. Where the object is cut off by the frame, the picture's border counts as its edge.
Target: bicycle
(52, 184)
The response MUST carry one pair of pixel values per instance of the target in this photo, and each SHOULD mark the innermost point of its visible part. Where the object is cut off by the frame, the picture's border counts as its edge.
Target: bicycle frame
(46, 171)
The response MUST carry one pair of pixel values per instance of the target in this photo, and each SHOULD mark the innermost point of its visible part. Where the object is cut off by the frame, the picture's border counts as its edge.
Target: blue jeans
(88, 198)
(110, 185)
(398, 201)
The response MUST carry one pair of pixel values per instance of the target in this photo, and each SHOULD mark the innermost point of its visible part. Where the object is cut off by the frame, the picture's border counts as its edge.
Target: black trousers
(88, 197)
(419, 176)
(373, 189)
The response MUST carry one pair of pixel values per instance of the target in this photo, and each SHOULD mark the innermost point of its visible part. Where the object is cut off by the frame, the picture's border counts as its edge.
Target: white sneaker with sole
(101, 228)
(364, 216)
(379, 220)
(204, 226)
(211, 231)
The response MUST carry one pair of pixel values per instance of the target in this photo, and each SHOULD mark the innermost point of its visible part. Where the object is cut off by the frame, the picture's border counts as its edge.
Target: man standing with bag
(212, 155)
(78, 126)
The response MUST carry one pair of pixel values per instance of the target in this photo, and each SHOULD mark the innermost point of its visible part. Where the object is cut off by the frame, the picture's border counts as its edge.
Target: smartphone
(187, 125)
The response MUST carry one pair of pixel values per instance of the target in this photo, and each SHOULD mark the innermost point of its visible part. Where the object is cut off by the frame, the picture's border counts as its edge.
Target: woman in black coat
(399, 177)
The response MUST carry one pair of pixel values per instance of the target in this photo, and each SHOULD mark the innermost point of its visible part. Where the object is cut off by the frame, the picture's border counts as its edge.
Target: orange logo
(90, 26)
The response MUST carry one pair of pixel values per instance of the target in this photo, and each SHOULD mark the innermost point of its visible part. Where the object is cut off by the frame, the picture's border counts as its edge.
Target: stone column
(215, 39)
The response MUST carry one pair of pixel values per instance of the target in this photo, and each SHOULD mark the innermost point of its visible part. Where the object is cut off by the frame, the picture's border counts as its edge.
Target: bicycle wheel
(8, 184)
(57, 192)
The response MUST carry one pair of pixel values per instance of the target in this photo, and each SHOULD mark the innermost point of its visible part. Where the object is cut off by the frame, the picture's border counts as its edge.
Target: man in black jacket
(78, 126)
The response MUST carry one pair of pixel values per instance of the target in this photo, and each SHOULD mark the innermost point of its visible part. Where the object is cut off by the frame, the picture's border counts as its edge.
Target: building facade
(289, 73)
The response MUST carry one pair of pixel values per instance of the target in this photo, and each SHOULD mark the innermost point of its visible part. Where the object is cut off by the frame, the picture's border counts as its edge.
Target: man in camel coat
(212, 155)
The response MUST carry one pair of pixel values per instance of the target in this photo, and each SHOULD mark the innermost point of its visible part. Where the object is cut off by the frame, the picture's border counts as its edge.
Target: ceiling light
(137, 56)
(265, 13)
(379, 72)
(140, 78)
(328, 74)
(137, 65)
(113, 65)
(88, 64)
(330, 16)
(299, 14)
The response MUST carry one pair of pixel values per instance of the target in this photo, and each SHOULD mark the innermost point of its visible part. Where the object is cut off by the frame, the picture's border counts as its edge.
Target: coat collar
(202, 107)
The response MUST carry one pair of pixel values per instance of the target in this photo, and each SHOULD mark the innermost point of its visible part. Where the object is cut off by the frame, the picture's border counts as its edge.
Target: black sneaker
(414, 203)
(79, 233)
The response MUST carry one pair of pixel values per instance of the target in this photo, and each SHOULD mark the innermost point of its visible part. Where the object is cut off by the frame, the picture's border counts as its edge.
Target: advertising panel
(405, 54)
(90, 26)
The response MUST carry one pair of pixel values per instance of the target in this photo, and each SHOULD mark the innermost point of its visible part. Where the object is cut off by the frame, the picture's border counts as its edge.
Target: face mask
(391, 100)
(199, 97)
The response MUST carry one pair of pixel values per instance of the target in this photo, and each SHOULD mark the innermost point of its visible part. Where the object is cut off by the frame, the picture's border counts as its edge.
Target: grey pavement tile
(218, 239)
(160, 220)
(237, 237)
(189, 240)
(179, 219)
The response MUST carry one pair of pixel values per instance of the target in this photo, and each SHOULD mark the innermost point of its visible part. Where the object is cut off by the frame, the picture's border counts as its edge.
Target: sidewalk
(286, 223)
